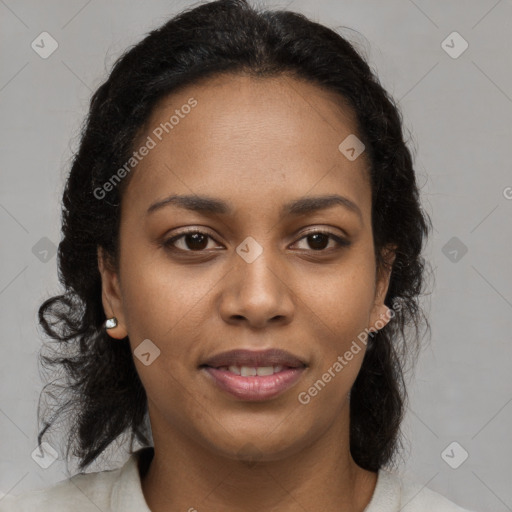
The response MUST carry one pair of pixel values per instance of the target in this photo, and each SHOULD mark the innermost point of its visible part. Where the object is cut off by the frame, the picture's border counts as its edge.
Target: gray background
(457, 112)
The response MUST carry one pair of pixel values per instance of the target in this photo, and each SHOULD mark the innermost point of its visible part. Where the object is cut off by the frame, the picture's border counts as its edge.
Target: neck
(185, 476)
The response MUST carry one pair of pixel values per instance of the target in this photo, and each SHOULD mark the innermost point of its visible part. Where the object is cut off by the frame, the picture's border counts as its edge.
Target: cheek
(159, 296)
(340, 343)
(339, 312)
(342, 298)
(165, 304)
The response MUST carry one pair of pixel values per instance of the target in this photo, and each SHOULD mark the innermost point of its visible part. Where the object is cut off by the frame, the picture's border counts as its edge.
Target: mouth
(254, 376)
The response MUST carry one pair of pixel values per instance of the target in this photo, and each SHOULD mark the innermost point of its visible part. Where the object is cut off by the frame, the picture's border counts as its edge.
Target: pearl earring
(110, 323)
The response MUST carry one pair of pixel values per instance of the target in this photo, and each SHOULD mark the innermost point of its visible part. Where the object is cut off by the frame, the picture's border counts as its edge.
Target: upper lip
(252, 358)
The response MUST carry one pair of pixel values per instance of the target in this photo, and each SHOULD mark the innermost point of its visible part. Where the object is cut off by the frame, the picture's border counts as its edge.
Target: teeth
(234, 369)
(265, 370)
(249, 371)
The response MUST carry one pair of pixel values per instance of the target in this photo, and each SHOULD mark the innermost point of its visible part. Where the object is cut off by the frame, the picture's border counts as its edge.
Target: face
(255, 274)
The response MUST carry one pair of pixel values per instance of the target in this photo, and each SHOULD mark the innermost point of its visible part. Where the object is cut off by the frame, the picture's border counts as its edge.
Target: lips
(254, 359)
(254, 375)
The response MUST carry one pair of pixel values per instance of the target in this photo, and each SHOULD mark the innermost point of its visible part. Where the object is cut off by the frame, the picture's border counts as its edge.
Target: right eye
(193, 241)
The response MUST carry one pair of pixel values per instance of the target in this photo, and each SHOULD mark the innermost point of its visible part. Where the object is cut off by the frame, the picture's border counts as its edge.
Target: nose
(257, 293)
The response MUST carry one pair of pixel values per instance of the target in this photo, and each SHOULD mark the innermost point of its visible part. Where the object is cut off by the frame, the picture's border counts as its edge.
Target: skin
(257, 144)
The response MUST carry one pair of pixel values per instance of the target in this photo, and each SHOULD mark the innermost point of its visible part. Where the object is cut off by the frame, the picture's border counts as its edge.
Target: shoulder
(415, 497)
(84, 491)
(114, 490)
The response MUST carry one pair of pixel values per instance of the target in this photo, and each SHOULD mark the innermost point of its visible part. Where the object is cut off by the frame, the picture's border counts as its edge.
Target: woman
(241, 257)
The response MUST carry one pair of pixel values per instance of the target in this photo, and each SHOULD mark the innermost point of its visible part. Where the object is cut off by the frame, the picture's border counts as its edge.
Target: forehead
(252, 138)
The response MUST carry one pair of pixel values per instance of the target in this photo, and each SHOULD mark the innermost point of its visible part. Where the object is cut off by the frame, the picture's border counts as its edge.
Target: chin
(267, 441)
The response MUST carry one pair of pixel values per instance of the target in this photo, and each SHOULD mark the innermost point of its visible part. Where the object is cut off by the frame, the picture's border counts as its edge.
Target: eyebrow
(210, 205)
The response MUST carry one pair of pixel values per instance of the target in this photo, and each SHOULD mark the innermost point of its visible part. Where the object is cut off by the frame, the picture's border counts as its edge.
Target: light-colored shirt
(120, 490)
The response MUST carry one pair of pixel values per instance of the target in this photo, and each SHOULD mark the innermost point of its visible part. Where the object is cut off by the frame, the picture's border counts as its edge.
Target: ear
(380, 315)
(111, 296)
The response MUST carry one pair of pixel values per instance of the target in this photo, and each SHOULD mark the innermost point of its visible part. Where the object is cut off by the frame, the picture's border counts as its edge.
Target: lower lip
(255, 388)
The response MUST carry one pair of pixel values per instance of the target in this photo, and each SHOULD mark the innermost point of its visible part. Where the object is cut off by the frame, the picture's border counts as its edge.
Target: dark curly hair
(101, 395)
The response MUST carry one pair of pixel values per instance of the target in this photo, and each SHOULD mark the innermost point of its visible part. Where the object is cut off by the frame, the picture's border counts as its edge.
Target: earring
(110, 323)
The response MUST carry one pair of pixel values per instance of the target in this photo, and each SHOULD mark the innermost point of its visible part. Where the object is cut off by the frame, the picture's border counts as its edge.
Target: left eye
(319, 238)
(196, 241)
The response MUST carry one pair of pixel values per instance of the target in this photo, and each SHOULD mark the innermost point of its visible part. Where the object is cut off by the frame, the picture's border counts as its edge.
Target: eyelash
(342, 242)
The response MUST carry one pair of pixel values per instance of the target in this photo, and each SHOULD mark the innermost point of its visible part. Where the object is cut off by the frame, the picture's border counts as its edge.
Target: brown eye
(192, 241)
(197, 241)
(319, 240)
